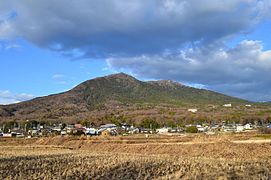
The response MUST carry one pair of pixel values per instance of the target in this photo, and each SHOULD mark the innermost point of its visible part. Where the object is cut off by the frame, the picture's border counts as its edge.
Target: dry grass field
(192, 157)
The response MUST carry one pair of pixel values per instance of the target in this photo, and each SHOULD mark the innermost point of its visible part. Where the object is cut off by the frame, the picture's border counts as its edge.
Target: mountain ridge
(110, 91)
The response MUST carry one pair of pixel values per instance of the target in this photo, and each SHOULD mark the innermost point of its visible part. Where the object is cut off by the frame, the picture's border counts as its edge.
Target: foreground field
(131, 158)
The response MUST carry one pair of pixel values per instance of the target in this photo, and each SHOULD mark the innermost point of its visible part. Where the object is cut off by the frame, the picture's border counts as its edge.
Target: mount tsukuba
(111, 94)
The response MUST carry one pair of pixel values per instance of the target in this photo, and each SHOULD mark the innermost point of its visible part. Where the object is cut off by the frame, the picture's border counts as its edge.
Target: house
(163, 130)
(126, 127)
(133, 130)
(229, 128)
(7, 135)
(108, 126)
(201, 128)
(17, 133)
(214, 127)
(227, 105)
(112, 128)
(248, 126)
(80, 130)
(69, 128)
(145, 130)
(78, 126)
(57, 128)
(248, 105)
(91, 131)
(45, 131)
(192, 110)
(240, 128)
(63, 133)
(33, 132)
(174, 130)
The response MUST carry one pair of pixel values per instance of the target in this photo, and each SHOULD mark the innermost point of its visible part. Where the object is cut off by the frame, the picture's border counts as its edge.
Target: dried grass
(67, 164)
(72, 158)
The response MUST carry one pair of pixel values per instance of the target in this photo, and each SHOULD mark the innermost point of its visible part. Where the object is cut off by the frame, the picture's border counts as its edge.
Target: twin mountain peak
(117, 88)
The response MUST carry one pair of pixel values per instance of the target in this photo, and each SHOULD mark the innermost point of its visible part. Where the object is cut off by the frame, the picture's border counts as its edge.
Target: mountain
(107, 93)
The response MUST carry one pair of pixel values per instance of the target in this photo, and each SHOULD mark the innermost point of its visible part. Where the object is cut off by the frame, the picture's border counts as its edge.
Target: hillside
(109, 92)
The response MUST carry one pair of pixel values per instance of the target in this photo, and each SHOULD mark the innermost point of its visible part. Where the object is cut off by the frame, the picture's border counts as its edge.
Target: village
(124, 129)
(41, 129)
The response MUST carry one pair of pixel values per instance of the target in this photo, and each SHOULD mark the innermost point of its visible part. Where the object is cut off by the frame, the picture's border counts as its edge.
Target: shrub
(191, 129)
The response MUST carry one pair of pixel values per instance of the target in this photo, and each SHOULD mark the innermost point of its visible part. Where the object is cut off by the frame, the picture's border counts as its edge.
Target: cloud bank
(120, 27)
(6, 97)
(244, 68)
(183, 40)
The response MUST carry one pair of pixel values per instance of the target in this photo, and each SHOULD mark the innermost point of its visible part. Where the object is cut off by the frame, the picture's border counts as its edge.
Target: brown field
(188, 157)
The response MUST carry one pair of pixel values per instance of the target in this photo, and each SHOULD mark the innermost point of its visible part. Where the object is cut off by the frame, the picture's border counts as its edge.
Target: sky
(50, 46)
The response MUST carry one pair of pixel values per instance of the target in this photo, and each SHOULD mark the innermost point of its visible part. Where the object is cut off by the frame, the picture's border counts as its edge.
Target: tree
(63, 126)
(150, 123)
(5, 129)
(171, 124)
(85, 123)
(191, 129)
(268, 120)
(8, 126)
(34, 123)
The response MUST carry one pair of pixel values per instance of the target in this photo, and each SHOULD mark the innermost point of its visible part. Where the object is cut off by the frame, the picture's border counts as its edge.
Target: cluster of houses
(71, 129)
(212, 129)
(123, 129)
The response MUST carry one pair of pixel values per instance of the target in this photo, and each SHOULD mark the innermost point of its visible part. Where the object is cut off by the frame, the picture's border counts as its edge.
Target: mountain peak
(121, 76)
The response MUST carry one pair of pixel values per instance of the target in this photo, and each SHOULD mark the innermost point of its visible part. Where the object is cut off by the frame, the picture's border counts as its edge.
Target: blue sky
(223, 46)
(29, 69)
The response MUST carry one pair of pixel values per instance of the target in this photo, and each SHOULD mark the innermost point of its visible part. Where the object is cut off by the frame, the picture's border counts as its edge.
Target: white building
(7, 135)
(163, 130)
(91, 131)
(240, 128)
(201, 128)
(248, 126)
(248, 105)
(227, 105)
(192, 110)
(108, 126)
(229, 128)
(63, 133)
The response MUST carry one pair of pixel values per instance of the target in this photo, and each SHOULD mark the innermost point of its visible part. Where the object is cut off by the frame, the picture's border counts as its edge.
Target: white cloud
(7, 45)
(58, 76)
(60, 79)
(12, 46)
(237, 71)
(6, 27)
(6, 97)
